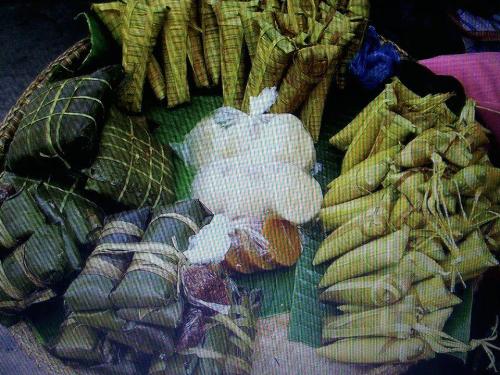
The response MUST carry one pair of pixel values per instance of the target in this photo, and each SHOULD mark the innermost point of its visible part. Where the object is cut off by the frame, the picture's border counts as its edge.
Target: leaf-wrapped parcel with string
(61, 124)
(151, 280)
(89, 350)
(387, 98)
(130, 288)
(389, 285)
(334, 216)
(28, 275)
(218, 332)
(368, 225)
(102, 272)
(372, 256)
(39, 199)
(131, 167)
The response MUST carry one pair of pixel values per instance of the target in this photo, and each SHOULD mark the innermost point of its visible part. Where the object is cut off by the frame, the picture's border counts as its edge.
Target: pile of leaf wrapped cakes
(297, 46)
(138, 298)
(414, 212)
(133, 302)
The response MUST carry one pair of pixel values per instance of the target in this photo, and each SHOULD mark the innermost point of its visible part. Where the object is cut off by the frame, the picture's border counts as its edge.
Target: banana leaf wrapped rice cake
(44, 231)
(37, 203)
(62, 122)
(81, 344)
(129, 288)
(131, 167)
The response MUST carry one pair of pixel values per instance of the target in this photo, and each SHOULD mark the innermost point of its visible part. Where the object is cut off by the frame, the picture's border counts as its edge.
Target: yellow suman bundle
(414, 212)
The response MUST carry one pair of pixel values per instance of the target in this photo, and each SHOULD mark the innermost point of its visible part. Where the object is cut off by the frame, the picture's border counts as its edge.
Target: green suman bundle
(413, 213)
(85, 346)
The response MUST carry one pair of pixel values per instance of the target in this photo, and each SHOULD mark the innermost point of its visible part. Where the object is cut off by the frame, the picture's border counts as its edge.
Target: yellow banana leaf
(274, 52)
(211, 42)
(231, 50)
(195, 48)
(174, 44)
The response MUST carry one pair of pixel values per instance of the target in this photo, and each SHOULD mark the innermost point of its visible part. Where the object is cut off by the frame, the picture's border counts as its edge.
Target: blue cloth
(375, 61)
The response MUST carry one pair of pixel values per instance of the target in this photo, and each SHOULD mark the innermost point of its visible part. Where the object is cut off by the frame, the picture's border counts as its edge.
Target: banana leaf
(174, 44)
(195, 48)
(151, 280)
(102, 272)
(131, 167)
(231, 51)
(141, 25)
(61, 124)
(41, 263)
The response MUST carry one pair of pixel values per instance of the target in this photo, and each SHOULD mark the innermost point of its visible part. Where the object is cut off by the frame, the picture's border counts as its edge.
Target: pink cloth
(479, 73)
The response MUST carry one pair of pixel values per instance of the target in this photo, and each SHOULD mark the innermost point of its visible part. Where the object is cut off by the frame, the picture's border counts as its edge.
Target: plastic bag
(235, 188)
(246, 244)
(256, 137)
(375, 61)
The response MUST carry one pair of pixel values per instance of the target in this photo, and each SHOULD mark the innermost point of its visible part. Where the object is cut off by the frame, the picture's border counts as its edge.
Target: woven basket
(69, 60)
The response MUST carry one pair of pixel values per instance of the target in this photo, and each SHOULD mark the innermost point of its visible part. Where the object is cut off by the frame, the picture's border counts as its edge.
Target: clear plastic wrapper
(256, 137)
(246, 244)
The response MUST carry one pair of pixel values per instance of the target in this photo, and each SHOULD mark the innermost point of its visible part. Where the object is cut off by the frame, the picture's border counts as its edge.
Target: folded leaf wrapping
(39, 202)
(151, 281)
(62, 123)
(174, 44)
(219, 328)
(88, 297)
(102, 272)
(111, 15)
(42, 262)
(131, 168)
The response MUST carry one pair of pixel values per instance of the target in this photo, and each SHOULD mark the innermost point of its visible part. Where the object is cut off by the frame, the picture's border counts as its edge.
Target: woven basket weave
(69, 60)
